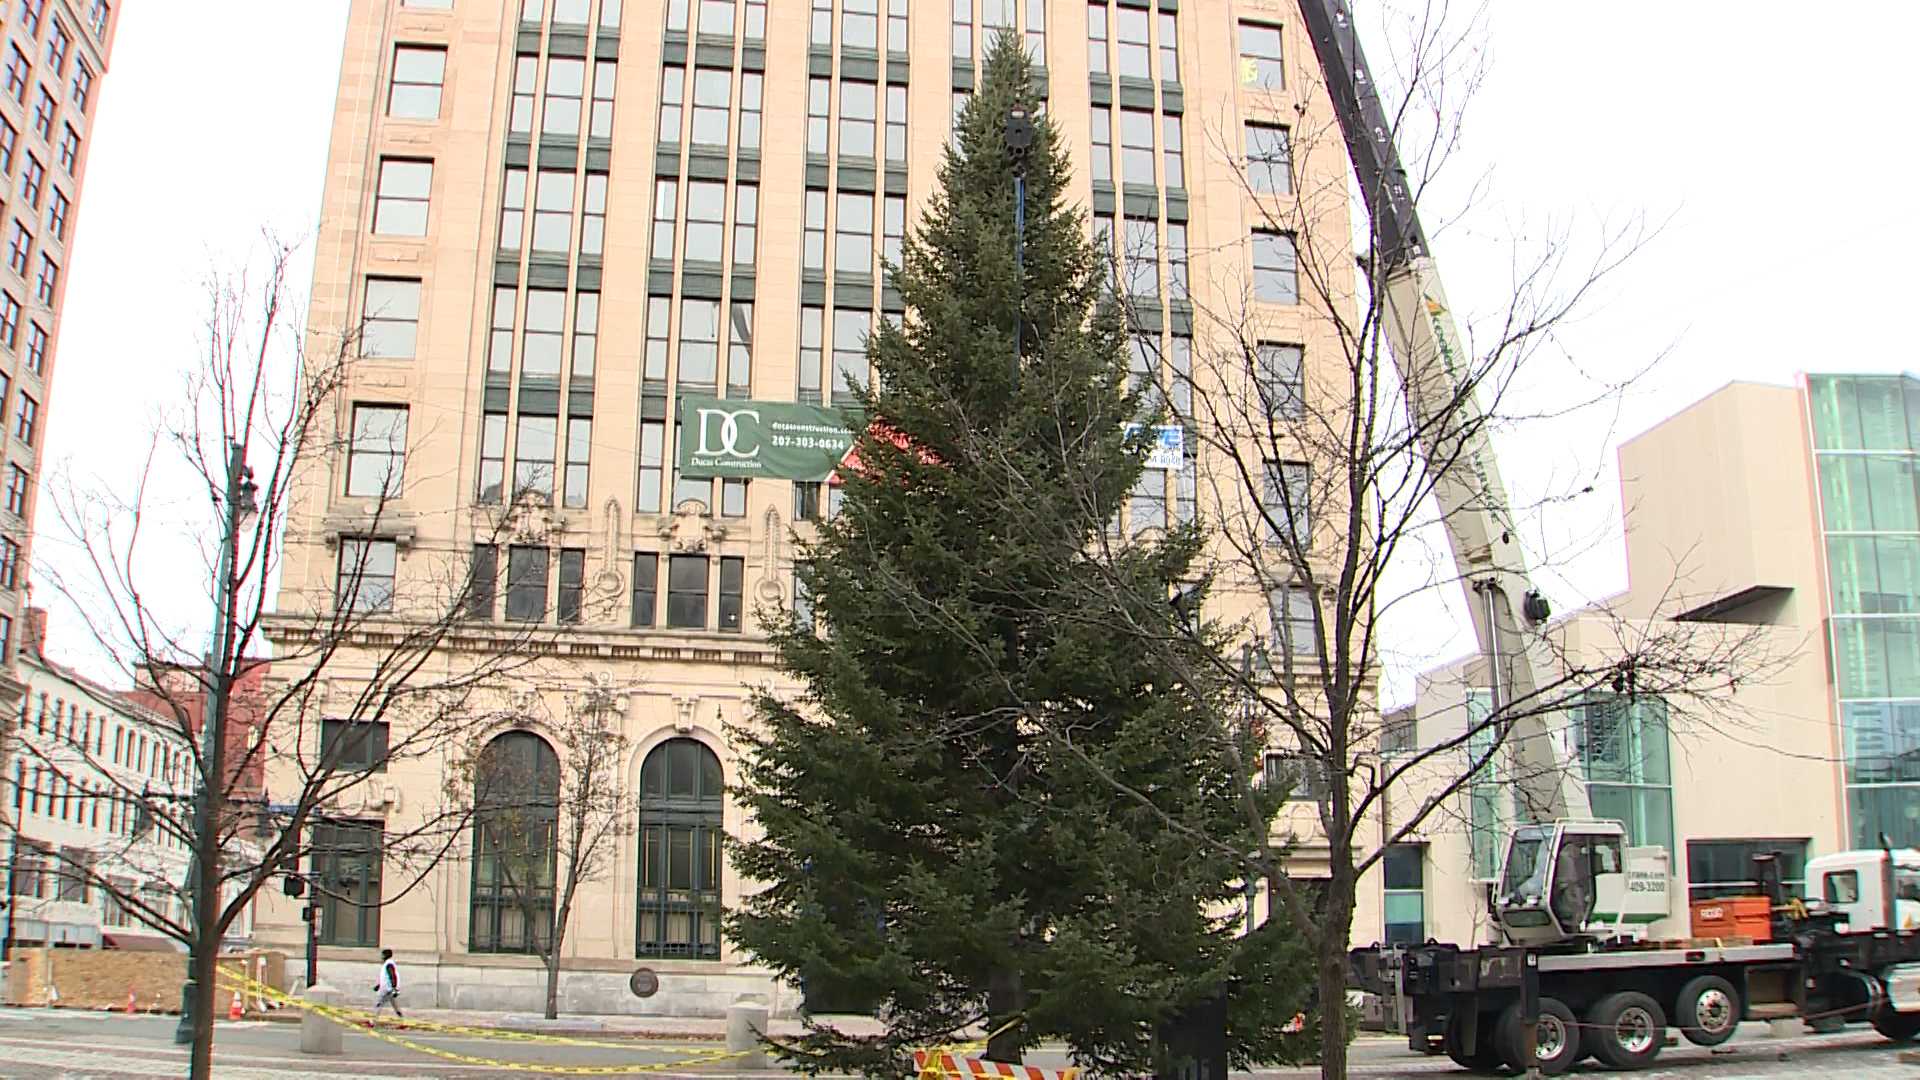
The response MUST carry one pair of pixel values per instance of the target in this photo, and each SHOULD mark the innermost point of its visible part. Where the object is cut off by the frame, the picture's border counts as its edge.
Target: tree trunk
(205, 965)
(560, 917)
(1005, 999)
(1335, 927)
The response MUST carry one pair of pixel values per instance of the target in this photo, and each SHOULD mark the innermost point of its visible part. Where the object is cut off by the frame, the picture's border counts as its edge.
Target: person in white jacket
(388, 988)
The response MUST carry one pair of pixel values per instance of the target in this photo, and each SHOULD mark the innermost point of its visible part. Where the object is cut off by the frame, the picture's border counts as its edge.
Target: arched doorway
(682, 804)
(516, 796)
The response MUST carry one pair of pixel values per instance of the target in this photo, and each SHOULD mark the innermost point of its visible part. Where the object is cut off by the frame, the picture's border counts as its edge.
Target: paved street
(69, 1046)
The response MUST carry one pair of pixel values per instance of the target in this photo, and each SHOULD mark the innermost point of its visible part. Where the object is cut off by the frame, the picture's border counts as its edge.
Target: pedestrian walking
(388, 988)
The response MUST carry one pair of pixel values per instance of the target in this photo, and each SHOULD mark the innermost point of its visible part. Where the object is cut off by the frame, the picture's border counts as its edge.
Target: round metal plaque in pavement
(644, 983)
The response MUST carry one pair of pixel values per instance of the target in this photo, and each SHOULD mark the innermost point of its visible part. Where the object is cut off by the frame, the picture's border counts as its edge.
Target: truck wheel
(1481, 1056)
(1626, 1030)
(1898, 1026)
(1708, 1010)
(1556, 1038)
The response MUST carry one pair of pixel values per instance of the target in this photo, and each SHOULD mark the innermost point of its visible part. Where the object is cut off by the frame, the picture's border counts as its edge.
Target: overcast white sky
(1765, 137)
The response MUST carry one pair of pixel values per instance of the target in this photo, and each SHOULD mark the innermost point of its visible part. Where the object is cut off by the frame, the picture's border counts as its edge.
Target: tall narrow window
(813, 231)
(601, 125)
(706, 217)
(390, 317)
(746, 222)
(1173, 151)
(1097, 38)
(1278, 374)
(897, 26)
(573, 572)
(850, 328)
(677, 16)
(712, 101)
(346, 865)
(400, 207)
(513, 209)
(1177, 261)
(733, 498)
(493, 456)
(857, 103)
(1291, 616)
(9, 563)
(1406, 894)
(593, 219)
(1286, 506)
(1269, 158)
(1260, 65)
(666, 199)
(26, 422)
(1142, 255)
(740, 349)
(860, 24)
(553, 211)
(33, 180)
(819, 92)
(377, 458)
(48, 282)
(751, 83)
(545, 331)
(483, 574)
(586, 333)
(1131, 33)
(516, 793)
(36, 351)
(579, 450)
(682, 821)
(1276, 274)
(716, 18)
(673, 89)
(566, 84)
(526, 73)
(812, 354)
(687, 592)
(526, 583)
(1101, 119)
(366, 575)
(533, 446)
(732, 592)
(1169, 47)
(500, 339)
(417, 77)
(896, 125)
(646, 570)
(43, 109)
(70, 150)
(653, 441)
(59, 43)
(1136, 146)
(20, 248)
(895, 228)
(1037, 31)
(10, 320)
(699, 342)
(853, 233)
(963, 30)
(9, 140)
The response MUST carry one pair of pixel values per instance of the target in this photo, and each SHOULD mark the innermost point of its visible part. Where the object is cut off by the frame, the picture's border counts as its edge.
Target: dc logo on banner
(728, 430)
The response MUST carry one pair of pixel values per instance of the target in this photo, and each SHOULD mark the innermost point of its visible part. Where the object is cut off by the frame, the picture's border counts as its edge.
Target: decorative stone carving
(690, 529)
(532, 519)
(683, 708)
(610, 582)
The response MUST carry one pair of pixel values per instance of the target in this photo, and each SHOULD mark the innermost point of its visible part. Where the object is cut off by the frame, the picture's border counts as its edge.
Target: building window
(573, 573)
(48, 282)
(1276, 274)
(1169, 47)
(379, 451)
(9, 563)
(513, 210)
(586, 333)
(601, 124)
(666, 198)
(1625, 749)
(746, 220)
(756, 20)
(850, 330)
(97, 17)
(897, 26)
(740, 350)
(853, 233)
(82, 84)
(18, 71)
(483, 575)
(526, 74)
(1717, 868)
(860, 24)
(18, 485)
(699, 342)
(1286, 508)
(391, 318)
(9, 139)
(566, 84)
(33, 180)
(813, 240)
(20, 248)
(1147, 503)
(751, 83)
(646, 570)
(57, 207)
(553, 211)
(1304, 778)
(1097, 38)
(1136, 146)
(526, 583)
(400, 207)
(812, 355)
(353, 745)
(9, 319)
(493, 456)
(593, 218)
(673, 91)
(653, 439)
(533, 445)
(819, 92)
(75, 865)
(1269, 158)
(418, 73)
(894, 238)
(706, 221)
(569, 12)
(1102, 161)
(516, 796)
(858, 100)
(733, 572)
(1260, 57)
(70, 150)
(677, 16)
(682, 822)
(1132, 27)
(1404, 868)
(43, 108)
(366, 574)
(687, 592)
(716, 18)
(1279, 374)
(579, 447)
(36, 352)
(963, 30)
(1142, 254)
(1173, 147)
(712, 101)
(546, 331)
(1291, 617)
(346, 864)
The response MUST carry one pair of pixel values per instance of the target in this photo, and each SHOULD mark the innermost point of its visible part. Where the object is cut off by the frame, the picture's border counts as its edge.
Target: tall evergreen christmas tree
(939, 836)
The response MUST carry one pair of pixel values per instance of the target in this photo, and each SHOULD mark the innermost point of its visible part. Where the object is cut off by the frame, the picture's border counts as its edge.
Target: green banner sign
(775, 439)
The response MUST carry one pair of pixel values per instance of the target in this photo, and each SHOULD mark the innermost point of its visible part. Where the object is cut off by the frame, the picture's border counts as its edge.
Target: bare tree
(547, 826)
(361, 674)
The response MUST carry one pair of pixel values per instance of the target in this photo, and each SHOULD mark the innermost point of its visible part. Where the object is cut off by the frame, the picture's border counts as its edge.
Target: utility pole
(203, 875)
(1020, 135)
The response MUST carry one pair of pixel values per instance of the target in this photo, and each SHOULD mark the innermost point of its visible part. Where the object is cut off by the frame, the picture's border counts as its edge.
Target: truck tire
(1482, 1056)
(1898, 1026)
(1626, 1030)
(1707, 1010)
(1557, 1045)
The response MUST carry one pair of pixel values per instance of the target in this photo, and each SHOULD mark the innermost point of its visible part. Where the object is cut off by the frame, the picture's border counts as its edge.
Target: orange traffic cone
(130, 1003)
(233, 1011)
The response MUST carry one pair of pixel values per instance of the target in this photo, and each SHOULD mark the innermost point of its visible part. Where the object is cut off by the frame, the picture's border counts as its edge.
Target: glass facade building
(1866, 444)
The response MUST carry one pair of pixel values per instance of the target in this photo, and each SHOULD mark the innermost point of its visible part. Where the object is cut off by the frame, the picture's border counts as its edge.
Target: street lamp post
(203, 874)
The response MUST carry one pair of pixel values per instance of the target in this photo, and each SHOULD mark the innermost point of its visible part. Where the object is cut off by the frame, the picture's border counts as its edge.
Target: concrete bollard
(1782, 1029)
(746, 1022)
(319, 1035)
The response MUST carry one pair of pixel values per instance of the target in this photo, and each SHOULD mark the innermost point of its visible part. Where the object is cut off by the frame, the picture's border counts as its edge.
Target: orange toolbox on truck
(1749, 917)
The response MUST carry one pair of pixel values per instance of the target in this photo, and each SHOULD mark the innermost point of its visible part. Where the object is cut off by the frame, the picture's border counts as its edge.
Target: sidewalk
(662, 1028)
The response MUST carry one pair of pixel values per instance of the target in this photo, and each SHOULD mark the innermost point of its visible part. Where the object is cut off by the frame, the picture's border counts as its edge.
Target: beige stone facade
(536, 196)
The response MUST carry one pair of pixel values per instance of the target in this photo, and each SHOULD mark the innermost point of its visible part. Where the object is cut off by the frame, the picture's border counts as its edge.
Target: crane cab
(1870, 890)
(1564, 880)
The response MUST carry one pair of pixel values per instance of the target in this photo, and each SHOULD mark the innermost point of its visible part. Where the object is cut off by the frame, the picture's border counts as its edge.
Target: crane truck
(1564, 982)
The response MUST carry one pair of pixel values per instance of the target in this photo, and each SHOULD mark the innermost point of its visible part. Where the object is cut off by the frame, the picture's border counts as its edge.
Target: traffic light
(294, 885)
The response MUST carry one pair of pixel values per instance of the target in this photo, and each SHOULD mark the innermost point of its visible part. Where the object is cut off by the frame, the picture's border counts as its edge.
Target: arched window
(681, 804)
(516, 796)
